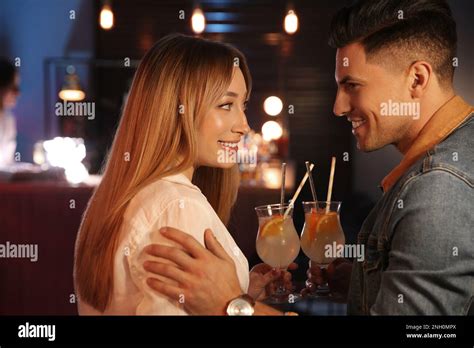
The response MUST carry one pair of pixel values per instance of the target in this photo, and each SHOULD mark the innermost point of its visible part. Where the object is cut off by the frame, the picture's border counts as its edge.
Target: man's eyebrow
(349, 78)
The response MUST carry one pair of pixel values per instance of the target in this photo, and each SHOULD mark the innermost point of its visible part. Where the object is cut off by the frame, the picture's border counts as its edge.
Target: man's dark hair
(410, 30)
(7, 73)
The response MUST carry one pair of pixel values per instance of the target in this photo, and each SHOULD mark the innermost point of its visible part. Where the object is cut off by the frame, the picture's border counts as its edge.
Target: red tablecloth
(46, 214)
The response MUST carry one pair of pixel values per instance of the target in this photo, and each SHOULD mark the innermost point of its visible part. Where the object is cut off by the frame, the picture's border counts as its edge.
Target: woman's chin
(224, 159)
(215, 164)
(224, 165)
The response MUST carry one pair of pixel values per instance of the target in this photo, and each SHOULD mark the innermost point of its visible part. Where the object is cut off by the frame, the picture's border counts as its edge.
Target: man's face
(362, 90)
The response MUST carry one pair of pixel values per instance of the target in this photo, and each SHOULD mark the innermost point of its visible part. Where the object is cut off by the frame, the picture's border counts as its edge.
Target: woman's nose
(242, 125)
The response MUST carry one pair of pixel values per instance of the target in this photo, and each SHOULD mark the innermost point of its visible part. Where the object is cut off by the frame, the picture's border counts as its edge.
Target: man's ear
(420, 74)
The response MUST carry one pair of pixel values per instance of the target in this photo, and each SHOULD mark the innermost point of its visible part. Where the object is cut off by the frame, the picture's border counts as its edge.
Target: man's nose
(341, 104)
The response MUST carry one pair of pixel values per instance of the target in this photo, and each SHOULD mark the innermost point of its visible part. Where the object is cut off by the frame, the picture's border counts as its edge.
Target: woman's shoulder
(168, 202)
(162, 196)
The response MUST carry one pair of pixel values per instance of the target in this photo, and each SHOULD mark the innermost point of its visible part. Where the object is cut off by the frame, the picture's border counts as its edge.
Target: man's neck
(427, 109)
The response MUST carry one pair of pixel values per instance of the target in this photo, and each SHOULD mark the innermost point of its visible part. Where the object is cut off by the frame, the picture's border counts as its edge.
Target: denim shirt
(419, 238)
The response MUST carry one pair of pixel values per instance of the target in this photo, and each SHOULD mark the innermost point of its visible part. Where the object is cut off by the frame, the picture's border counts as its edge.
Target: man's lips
(356, 123)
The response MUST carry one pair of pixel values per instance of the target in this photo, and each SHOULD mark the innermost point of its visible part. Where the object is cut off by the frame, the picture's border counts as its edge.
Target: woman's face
(223, 126)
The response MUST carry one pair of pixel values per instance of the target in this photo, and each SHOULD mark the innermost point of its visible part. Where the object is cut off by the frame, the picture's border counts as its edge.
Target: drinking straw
(311, 182)
(331, 181)
(282, 189)
(269, 210)
(295, 196)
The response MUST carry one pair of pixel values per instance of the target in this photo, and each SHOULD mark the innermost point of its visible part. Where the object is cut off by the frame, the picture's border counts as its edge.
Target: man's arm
(206, 277)
(194, 219)
(430, 267)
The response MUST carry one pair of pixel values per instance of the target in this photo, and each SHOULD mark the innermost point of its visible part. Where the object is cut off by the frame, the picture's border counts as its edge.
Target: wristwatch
(242, 305)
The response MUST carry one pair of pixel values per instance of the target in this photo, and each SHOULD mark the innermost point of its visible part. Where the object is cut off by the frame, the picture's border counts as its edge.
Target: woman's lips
(229, 145)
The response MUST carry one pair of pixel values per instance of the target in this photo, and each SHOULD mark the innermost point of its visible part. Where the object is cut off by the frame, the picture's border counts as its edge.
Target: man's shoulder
(455, 154)
(445, 175)
(451, 160)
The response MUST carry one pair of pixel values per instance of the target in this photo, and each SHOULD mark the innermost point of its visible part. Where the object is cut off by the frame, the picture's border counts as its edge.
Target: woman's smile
(229, 145)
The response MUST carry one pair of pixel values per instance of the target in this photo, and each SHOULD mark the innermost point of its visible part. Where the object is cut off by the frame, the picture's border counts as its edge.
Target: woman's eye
(225, 106)
(244, 107)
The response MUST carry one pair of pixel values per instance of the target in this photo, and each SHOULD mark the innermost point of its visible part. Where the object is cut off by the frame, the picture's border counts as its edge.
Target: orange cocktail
(322, 231)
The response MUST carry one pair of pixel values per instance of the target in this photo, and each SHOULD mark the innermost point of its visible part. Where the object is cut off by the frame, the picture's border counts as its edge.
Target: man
(394, 69)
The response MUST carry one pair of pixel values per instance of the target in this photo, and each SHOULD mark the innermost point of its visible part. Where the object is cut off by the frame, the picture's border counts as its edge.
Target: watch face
(239, 306)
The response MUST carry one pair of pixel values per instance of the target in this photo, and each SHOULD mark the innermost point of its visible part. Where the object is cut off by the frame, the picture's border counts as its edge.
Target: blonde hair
(159, 141)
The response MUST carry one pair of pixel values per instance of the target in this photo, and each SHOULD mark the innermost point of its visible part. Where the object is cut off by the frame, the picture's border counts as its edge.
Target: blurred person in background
(9, 92)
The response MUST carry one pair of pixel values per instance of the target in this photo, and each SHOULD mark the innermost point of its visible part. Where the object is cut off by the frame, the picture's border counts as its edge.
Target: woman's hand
(207, 278)
(264, 280)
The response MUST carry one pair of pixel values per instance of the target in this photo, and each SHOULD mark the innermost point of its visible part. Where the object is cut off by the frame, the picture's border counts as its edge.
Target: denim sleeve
(430, 263)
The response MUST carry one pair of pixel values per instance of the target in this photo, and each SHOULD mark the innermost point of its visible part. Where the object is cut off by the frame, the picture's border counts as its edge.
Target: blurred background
(87, 51)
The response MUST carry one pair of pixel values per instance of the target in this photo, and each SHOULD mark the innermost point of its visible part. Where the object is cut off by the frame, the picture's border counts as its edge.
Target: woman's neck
(189, 173)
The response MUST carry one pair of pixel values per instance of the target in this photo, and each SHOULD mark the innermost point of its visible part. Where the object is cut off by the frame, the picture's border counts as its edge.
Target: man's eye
(351, 86)
(225, 106)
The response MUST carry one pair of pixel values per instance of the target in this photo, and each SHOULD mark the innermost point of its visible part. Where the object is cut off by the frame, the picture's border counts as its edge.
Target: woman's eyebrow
(235, 95)
(231, 94)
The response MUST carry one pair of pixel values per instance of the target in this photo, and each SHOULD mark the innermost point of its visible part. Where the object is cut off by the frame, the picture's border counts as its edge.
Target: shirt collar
(441, 124)
(181, 179)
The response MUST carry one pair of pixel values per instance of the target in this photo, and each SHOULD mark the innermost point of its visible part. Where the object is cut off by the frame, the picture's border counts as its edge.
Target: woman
(186, 105)
(9, 91)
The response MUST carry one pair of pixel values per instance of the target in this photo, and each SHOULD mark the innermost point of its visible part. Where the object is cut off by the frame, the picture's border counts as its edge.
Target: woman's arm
(207, 276)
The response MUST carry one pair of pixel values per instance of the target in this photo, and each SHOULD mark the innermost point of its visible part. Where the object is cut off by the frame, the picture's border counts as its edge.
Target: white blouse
(171, 201)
